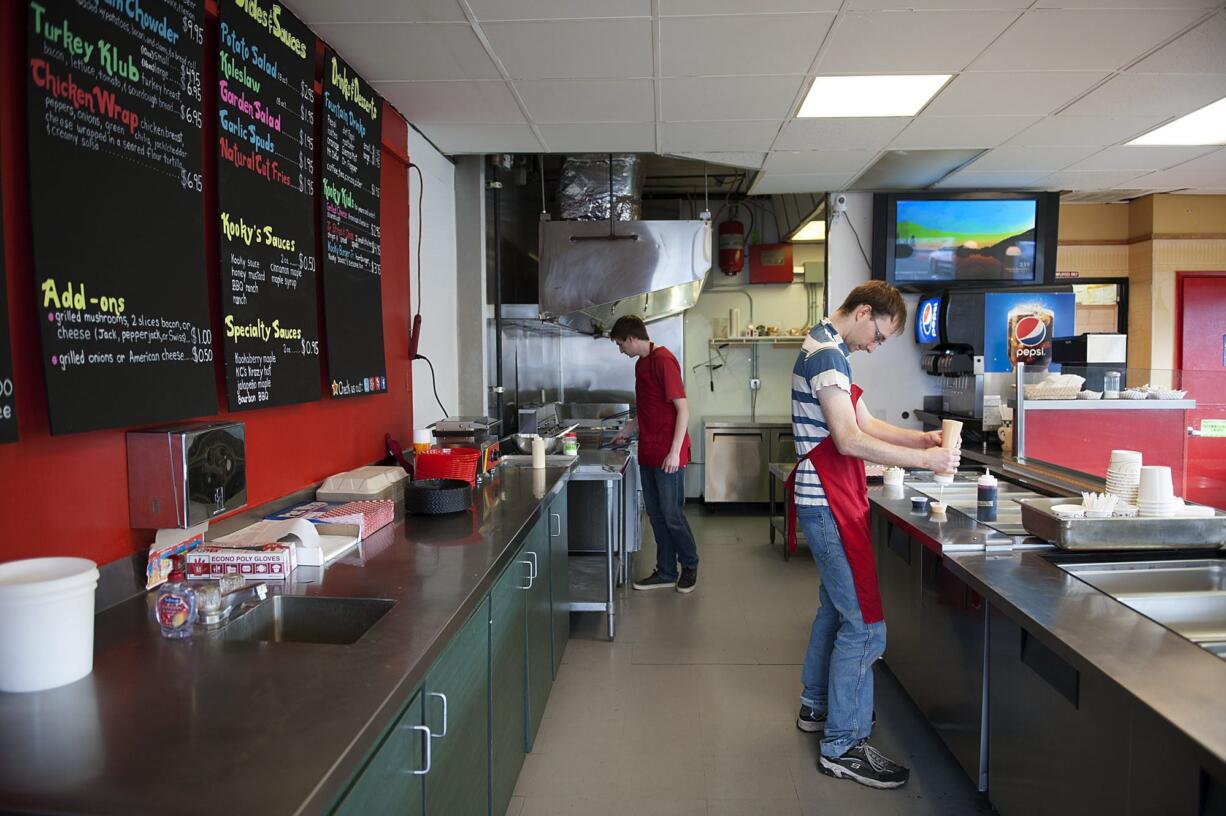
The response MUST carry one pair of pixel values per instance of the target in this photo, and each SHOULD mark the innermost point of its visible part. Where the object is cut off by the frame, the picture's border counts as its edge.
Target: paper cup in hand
(951, 434)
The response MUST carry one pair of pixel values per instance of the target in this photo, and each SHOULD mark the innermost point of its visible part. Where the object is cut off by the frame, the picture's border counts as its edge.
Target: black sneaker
(866, 765)
(654, 581)
(811, 722)
(689, 577)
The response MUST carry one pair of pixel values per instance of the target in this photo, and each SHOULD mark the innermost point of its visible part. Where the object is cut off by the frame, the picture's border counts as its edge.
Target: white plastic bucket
(46, 622)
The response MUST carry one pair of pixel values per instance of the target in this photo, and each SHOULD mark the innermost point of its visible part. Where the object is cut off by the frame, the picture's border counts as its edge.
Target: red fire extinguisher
(731, 246)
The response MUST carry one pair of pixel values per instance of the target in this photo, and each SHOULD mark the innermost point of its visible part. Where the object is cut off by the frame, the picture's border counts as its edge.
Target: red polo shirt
(657, 382)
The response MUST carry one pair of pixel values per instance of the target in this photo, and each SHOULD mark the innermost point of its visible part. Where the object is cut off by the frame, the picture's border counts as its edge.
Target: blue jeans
(838, 668)
(664, 495)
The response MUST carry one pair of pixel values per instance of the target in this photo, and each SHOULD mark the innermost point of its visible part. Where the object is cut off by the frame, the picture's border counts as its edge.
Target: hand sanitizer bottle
(175, 608)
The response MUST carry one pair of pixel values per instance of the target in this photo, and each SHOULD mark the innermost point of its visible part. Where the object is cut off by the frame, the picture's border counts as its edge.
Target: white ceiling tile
(800, 183)
(588, 100)
(1158, 94)
(1126, 4)
(910, 42)
(818, 161)
(1011, 159)
(453, 139)
(928, 132)
(607, 137)
(727, 98)
(675, 8)
(697, 137)
(1095, 180)
(1023, 92)
(409, 51)
(1139, 157)
(1206, 172)
(1200, 51)
(557, 9)
(1071, 40)
(1091, 131)
(935, 5)
(452, 102)
(752, 160)
(871, 133)
(579, 49)
(744, 44)
(992, 181)
(377, 11)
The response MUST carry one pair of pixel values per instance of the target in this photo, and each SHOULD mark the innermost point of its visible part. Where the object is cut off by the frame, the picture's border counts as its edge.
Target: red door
(1202, 356)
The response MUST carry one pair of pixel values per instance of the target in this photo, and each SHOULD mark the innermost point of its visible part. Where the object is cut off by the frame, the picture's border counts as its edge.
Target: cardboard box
(266, 562)
(371, 514)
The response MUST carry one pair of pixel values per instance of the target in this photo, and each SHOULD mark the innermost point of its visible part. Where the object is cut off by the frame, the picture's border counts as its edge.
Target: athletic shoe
(811, 722)
(654, 581)
(865, 764)
(689, 577)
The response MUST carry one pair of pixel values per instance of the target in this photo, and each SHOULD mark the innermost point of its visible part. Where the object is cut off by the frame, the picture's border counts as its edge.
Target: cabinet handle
(536, 565)
(527, 564)
(442, 697)
(552, 518)
(426, 740)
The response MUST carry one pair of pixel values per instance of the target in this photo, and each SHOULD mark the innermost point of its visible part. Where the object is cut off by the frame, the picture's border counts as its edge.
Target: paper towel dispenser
(183, 475)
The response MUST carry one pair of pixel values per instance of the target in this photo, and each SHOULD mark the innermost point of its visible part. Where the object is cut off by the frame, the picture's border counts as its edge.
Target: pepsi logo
(1030, 331)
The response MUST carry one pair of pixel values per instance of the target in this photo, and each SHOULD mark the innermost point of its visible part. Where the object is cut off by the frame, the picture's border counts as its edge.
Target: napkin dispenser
(187, 474)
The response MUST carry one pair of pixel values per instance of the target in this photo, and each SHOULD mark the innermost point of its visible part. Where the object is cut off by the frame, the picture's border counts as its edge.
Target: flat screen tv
(937, 240)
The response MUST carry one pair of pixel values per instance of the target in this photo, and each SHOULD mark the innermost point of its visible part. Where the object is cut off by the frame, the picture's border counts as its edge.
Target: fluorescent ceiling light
(813, 231)
(901, 95)
(1206, 126)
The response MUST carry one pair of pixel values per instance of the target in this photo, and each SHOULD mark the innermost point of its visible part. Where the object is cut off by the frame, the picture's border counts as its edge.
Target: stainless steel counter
(1166, 673)
(208, 726)
(766, 421)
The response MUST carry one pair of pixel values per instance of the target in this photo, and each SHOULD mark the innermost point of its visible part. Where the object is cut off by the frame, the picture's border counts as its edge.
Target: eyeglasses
(878, 337)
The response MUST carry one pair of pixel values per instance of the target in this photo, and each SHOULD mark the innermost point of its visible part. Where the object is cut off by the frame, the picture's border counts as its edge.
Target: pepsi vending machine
(982, 333)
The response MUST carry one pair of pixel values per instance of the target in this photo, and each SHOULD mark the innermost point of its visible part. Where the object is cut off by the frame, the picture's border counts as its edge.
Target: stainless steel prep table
(1167, 687)
(256, 727)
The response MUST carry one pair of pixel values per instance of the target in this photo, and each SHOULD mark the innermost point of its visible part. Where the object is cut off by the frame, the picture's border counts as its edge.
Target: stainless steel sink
(1187, 596)
(1153, 577)
(307, 619)
(1199, 617)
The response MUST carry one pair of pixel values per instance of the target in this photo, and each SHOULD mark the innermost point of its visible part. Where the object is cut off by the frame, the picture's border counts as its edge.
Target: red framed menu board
(349, 207)
(116, 198)
(266, 205)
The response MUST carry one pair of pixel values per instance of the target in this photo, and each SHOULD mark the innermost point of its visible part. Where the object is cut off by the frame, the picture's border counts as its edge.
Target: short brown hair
(884, 299)
(628, 326)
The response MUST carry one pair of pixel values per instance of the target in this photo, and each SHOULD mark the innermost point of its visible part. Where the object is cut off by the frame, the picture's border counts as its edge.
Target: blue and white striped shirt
(822, 363)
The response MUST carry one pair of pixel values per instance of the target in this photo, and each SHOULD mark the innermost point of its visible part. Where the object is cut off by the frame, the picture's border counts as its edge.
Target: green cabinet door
(508, 679)
(392, 781)
(540, 628)
(559, 577)
(456, 700)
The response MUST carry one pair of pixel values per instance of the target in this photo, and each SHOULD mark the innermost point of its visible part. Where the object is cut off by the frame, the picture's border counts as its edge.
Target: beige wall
(1149, 241)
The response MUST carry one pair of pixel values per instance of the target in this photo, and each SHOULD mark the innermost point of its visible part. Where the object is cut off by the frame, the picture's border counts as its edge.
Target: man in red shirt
(664, 450)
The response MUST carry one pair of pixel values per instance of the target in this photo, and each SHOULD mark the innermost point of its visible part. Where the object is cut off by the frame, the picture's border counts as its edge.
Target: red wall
(67, 495)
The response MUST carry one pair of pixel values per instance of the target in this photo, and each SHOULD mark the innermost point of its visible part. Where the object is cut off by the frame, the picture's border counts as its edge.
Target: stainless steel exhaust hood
(593, 272)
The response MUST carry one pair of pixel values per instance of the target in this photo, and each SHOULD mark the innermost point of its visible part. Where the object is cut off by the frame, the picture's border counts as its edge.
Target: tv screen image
(928, 320)
(964, 239)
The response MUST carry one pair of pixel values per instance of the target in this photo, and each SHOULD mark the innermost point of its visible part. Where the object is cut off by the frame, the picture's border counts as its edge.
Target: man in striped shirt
(833, 428)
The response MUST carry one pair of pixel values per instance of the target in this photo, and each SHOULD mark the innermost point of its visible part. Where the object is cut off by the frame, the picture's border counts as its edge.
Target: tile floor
(691, 710)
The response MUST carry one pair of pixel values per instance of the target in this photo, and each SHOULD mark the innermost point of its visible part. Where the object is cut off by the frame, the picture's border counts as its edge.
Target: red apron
(846, 489)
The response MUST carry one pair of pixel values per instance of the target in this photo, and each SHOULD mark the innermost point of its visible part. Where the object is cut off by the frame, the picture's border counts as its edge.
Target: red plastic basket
(448, 463)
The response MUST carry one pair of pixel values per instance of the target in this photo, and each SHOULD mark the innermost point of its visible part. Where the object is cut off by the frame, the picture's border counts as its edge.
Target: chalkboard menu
(8, 407)
(353, 301)
(266, 203)
(116, 200)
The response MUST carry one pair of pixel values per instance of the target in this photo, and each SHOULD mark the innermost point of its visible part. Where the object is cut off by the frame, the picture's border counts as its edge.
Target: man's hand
(942, 460)
(672, 462)
(932, 439)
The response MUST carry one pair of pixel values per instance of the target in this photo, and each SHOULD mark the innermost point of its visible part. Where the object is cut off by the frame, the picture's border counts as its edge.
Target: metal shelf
(717, 342)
